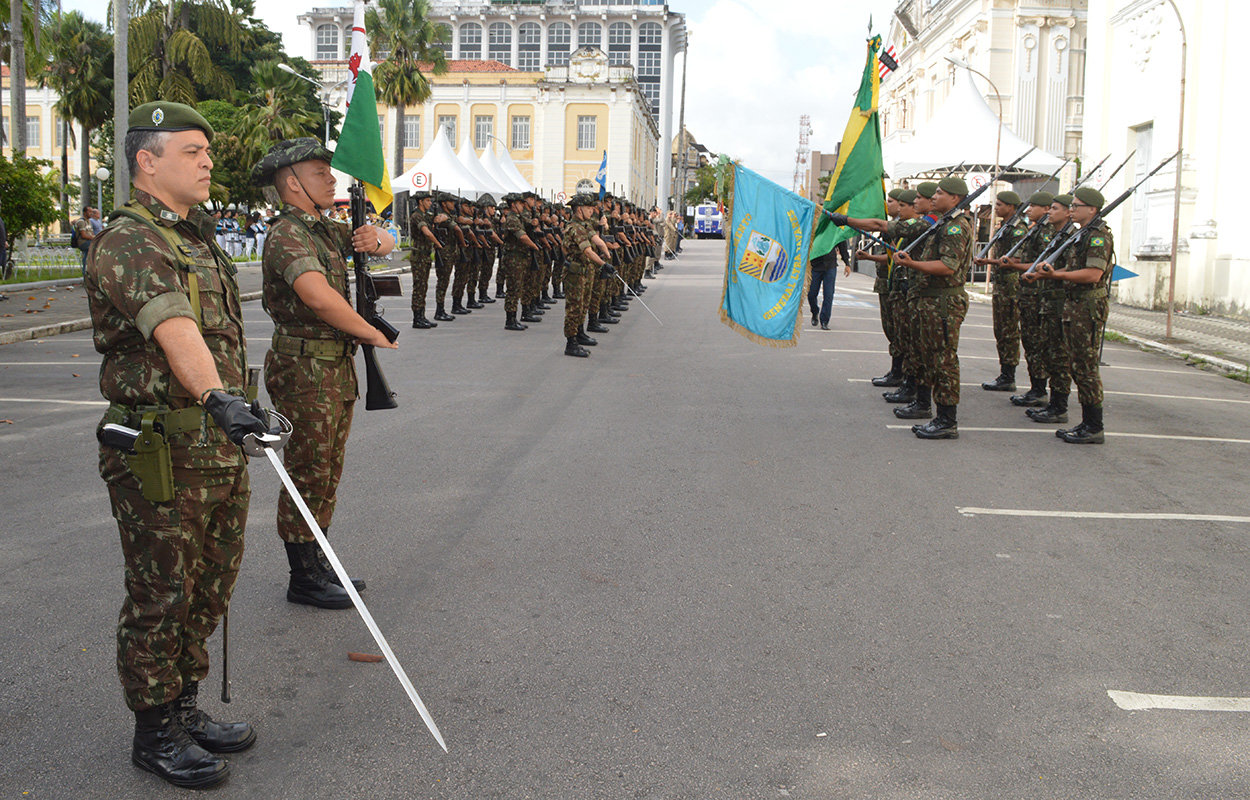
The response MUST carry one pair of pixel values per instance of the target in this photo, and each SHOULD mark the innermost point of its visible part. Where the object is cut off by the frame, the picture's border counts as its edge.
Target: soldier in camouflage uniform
(490, 240)
(424, 242)
(1030, 298)
(1086, 276)
(517, 247)
(881, 287)
(467, 266)
(166, 317)
(583, 264)
(1051, 299)
(310, 372)
(1006, 304)
(448, 256)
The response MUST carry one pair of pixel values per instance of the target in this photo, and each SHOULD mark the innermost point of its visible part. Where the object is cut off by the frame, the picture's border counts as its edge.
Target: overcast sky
(756, 66)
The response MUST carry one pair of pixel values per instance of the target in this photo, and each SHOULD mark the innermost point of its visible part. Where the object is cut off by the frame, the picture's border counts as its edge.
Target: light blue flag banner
(766, 269)
(602, 177)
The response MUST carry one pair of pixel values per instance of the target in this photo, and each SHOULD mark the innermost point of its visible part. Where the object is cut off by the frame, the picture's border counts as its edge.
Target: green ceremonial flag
(359, 150)
(857, 186)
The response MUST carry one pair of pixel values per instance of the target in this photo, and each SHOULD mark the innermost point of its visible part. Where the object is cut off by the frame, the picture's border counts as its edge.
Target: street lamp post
(1180, 165)
(998, 146)
(101, 175)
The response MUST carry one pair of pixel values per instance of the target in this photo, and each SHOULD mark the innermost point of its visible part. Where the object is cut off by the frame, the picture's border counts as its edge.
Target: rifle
(965, 203)
(1107, 209)
(1038, 225)
(1019, 210)
(378, 393)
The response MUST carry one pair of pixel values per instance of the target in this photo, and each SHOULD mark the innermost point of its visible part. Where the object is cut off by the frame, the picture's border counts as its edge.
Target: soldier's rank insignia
(158, 116)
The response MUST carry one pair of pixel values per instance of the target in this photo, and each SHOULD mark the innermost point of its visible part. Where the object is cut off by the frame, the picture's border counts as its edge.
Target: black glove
(839, 219)
(606, 271)
(233, 415)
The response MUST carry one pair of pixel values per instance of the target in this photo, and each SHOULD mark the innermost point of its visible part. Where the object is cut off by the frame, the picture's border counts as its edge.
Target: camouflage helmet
(288, 153)
(578, 200)
(486, 200)
(445, 197)
(421, 195)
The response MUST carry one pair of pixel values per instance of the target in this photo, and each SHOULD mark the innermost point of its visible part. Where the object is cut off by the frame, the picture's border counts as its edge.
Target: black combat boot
(328, 571)
(583, 339)
(309, 585)
(1005, 382)
(1035, 397)
(484, 297)
(920, 408)
(892, 378)
(610, 310)
(419, 320)
(546, 298)
(943, 426)
(572, 348)
(215, 737)
(457, 307)
(527, 314)
(606, 316)
(512, 324)
(472, 303)
(592, 324)
(905, 393)
(441, 314)
(557, 292)
(1090, 431)
(1056, 411)
(164, 748)
(638, 288)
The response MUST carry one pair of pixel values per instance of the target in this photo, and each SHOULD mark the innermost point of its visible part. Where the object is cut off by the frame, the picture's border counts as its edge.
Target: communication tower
(803, 154)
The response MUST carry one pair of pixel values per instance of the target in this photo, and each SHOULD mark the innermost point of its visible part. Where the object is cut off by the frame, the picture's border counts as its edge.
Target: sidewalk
(35, 311)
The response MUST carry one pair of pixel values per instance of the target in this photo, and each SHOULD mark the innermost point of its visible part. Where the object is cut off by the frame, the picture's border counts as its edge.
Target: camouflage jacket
(134, 283)
(577, 239)
(421, 246)
(951, 244)
(1010, 238)
(900, 233)
(1031, 250)
(1094, 249)
(513, 229)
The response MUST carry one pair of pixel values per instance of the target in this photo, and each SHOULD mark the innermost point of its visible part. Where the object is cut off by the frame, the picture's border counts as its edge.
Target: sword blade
(351, 591)
(636, 297)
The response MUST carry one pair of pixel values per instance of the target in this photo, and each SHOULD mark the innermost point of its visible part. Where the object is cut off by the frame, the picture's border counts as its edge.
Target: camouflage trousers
(544, 280)
(908, 327)
(888, 304)
(512, 270)
(599, 291)
(466, 273)
(1083, 319)
(577, 293)
(443, 265)
(938, 320)
(1031, 334)
(531, 278)
(420, 261)
(314, 459)
(1006, 308)
(485, 267)
(1055, 350)
(181, 561)
(501, 278)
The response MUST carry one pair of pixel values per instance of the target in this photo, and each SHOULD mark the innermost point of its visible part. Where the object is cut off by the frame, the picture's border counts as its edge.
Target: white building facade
(532, 36)
(1133, 102)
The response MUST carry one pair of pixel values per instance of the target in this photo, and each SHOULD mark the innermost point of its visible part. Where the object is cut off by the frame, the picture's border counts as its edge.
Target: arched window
(620, 40)
(471, 41)
(328, 43)
(650, 33)
(500, 43)
(529, 46)
(589, 34)
(559, 36)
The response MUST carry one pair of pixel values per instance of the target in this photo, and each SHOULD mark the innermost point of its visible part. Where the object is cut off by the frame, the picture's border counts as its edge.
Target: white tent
(964, 131)
(468, 160)
(491, 164)
(509, 169)
(445, 171)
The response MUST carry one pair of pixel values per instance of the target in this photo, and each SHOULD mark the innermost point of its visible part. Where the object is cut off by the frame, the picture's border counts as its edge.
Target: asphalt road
(686, 567)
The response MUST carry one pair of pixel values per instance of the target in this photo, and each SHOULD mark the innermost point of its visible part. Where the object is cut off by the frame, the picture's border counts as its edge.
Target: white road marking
(972, 511)
(65, 402)
(878, 333)
(887, 352)
(1136, 701)
(49, 363)
(1051, 429)
(1108, 391)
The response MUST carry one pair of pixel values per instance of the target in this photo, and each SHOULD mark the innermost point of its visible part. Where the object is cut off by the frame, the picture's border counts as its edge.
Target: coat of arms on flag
(763, 258)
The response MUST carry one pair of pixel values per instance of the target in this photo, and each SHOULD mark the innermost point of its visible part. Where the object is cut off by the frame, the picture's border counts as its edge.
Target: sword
(635, 294)
(262, 443)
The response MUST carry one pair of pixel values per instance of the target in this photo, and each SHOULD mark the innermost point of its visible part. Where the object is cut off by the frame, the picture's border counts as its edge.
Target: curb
(35, 285)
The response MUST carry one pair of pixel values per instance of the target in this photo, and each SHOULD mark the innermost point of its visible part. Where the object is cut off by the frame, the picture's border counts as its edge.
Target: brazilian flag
(857, 186)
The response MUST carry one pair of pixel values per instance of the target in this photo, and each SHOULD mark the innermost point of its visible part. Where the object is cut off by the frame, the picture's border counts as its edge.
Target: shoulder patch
(1097, 241)
(1018, 232)
(952, 230)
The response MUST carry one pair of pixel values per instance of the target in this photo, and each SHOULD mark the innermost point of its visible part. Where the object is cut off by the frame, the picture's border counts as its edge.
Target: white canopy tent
(964, 131)
(468, 159)
(445, 172)
(509, 169)
(491, 164)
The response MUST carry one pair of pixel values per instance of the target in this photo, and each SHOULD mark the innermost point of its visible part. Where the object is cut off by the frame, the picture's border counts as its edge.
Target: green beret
(286, 153)
(1010, 198)
(927, 189)
(1090, 197)
(168, 117)
(1064, 200)
(894, 193)
(952, 185)
(907, 196)
(1041, 199)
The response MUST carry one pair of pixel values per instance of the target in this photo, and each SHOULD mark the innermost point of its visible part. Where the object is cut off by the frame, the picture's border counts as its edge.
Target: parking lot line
(1136, 701)
(973, 511)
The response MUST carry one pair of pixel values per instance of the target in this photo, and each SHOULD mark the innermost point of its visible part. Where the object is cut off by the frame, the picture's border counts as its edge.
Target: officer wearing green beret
(166, 317)
(310, 372)
(1005, 301)
(1032, 335)
(424, 242)
(1085, 274)
(1058, 362)
(881, 287)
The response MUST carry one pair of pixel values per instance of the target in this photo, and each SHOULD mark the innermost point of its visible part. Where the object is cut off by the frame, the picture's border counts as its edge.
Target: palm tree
(171, 49)
(404, 31)
(276, 110)
(80, 69)
(23, 16)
